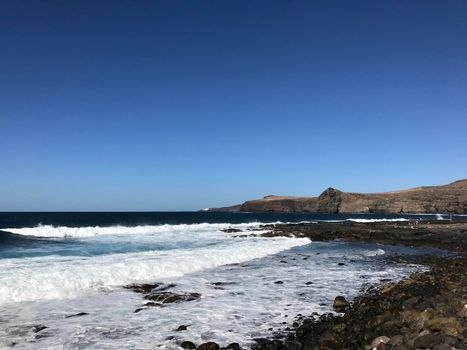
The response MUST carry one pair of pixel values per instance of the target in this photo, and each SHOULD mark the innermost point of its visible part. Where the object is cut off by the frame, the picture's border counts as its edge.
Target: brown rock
(208, 346)
(451, 198)
(447, 325)
(396, 340)
(380, 340)
(428, 340)
(463, 311)
(340, 304)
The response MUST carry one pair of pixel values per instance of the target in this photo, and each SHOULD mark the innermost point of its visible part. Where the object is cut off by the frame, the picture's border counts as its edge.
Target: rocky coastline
(447, 199)
(426, 311)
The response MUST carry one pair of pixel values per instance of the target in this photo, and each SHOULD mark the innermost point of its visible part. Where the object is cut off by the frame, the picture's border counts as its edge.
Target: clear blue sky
(180, 105)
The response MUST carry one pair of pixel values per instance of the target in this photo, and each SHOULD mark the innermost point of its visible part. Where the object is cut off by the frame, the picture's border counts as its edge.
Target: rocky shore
(426, 311)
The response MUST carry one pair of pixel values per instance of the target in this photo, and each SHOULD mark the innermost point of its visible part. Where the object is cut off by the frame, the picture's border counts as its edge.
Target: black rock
(278, 282)
(181, 328)
(231, 230)
(160, 298)
(143, 288)
(77, 315)
(146, 288)
(188, 345)
(233, 346)
(292, 345)
(38, 328)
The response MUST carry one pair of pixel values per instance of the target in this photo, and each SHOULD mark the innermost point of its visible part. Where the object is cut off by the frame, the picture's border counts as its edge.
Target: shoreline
(426, 311)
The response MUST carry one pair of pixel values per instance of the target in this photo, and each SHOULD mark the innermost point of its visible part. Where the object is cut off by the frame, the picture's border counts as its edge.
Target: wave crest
(50, 231)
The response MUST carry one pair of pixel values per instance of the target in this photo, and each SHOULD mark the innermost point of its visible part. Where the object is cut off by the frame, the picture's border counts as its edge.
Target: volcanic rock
(451, 198)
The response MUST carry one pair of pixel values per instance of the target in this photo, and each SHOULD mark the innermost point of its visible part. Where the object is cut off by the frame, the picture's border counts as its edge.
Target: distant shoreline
(446, 199)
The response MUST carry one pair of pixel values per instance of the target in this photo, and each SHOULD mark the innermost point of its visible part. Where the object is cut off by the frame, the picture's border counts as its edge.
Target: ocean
(57, 265)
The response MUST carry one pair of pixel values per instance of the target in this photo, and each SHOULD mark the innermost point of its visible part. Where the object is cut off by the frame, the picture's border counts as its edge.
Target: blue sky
(180, 105)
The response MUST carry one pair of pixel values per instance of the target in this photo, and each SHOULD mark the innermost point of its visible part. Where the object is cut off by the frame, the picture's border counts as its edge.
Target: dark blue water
(33, 244)
(79, 219)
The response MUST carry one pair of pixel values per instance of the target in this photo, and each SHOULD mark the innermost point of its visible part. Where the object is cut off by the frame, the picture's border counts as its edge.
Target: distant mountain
(451, 198)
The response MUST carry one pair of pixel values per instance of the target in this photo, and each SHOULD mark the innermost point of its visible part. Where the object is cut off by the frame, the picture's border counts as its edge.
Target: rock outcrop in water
(451, 198)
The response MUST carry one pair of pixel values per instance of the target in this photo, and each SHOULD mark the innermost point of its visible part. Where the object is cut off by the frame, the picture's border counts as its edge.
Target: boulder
(427, 340)
(340, 304)
(188, 345)
(208, 346)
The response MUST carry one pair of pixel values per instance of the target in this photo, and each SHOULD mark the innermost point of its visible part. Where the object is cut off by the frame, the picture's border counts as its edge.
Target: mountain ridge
(450, 198)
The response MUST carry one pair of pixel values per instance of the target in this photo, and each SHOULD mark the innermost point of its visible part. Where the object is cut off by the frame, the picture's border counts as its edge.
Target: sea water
(55, 265)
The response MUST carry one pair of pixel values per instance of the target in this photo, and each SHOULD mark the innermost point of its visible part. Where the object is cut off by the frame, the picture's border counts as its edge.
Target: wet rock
(160, 298)
(278, 282)
(79, 314)
(208, 346)
(292, 345)
(340, 304)
(233, 346)
(340, 264)
(231, 230)
(266, 344)
(221, 285)
(181, 328)
(188, 345)
(143, 288)
(38, 328)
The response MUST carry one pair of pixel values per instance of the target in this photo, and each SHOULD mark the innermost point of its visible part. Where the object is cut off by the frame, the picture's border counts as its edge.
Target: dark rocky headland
(451, 198)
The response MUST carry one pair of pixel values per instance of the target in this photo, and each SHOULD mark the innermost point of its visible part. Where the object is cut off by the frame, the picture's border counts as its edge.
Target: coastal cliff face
(450, 198)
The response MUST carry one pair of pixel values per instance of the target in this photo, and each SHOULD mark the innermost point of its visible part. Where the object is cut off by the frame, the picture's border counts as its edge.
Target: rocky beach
(426, 311)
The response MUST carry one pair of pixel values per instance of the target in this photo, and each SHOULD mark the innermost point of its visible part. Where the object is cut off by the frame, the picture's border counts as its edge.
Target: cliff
(451, 198)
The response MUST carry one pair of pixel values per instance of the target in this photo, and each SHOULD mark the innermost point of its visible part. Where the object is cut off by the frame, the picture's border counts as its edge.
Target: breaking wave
(55, 277)
(90, 231)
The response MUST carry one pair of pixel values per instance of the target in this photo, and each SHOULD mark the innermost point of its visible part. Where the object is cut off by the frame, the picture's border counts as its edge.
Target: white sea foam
(377, 220)
(244, 308)
(43, 290)
(90, 231)
(54, 277)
